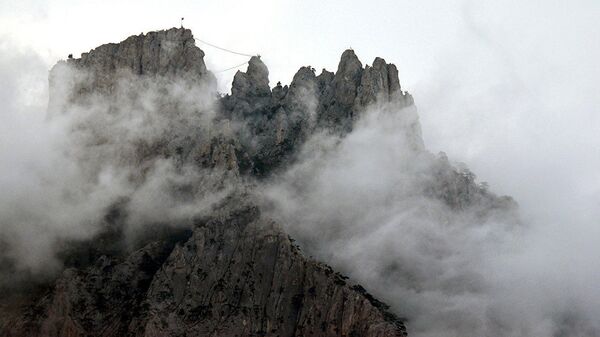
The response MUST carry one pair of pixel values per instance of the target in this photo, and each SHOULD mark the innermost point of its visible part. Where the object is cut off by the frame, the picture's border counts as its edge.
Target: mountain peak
(253, 82)
(166, 53)
(349, 59)
(232, 262)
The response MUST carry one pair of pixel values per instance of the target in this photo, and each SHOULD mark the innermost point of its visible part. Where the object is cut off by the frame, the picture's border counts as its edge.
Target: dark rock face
(239, 274)
(274, 122)
(252, 84)
(280, 120)
(234, 272)
(163, 53)
(351, 89)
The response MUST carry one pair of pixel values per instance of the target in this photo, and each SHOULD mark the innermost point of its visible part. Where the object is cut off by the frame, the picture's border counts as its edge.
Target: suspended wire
(224, 70)
(229, 51)
(224, 49)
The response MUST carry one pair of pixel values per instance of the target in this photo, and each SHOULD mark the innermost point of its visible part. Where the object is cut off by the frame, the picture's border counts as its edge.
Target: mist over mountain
(154, 206)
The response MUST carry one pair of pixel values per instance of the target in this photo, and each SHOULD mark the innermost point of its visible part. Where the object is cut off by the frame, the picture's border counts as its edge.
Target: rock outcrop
(233, 271)
(167, 53)
(279, 120)
(272, 123)
(229, 271)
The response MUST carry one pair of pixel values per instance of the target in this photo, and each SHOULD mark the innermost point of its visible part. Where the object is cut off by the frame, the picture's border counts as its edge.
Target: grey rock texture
(278, 121)
(162, 53)
(351, 89)
(235, 273)
(253, 83)
(270, 124)
(256, 282)
(148, 73)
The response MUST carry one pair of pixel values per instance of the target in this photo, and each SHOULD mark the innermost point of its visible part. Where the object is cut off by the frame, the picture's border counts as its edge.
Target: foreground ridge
(234, 274)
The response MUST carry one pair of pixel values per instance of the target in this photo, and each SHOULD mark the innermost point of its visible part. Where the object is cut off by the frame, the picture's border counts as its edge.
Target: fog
(509, 89)
(63, 170)
(359, 203)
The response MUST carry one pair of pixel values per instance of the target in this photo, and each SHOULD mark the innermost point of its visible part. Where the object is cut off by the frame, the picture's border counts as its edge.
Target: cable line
(224, 70)
(224, 49)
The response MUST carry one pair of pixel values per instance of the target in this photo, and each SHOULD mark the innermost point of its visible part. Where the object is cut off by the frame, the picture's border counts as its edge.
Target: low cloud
(361, 203)
(61, 172)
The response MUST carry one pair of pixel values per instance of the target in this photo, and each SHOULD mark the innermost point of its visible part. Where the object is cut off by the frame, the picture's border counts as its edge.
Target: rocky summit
(227, 269)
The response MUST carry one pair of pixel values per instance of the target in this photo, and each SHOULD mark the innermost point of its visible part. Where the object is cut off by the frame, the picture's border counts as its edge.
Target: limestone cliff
(228, 269)
(232, 271)
(234, 274)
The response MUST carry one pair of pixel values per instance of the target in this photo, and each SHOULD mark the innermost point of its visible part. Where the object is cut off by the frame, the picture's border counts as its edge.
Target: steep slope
(186, 244)
(163, 53)
(279, 121)
(234, 274)
(228, 270)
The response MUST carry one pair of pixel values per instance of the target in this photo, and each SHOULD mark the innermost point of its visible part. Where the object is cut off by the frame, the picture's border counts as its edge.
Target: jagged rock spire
(378, 82)
(345, 94)
(347, 78)
(234, 272)
(168, 53)
(253, 82)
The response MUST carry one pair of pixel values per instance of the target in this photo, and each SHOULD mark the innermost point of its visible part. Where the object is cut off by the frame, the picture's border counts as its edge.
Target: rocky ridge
(232, 271)
(235, 274)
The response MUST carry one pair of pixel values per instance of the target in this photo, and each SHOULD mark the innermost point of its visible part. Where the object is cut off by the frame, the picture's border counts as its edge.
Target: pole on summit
(181, 22)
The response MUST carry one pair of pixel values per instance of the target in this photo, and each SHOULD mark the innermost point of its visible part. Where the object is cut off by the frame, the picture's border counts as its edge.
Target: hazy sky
(494, 81)
(508, 87)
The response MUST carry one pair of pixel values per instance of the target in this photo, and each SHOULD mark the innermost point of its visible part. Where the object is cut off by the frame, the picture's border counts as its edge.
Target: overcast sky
(508, 87)
(494, 80)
